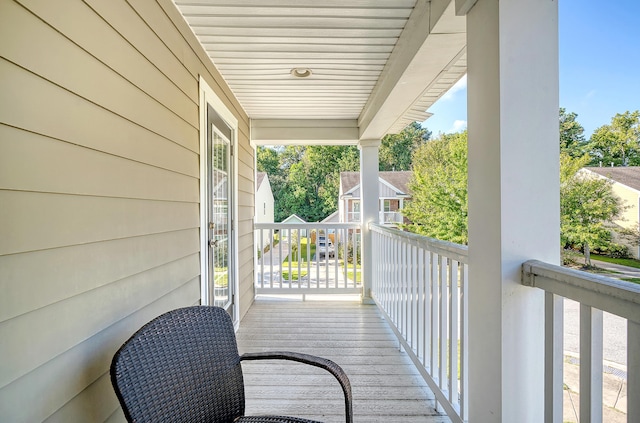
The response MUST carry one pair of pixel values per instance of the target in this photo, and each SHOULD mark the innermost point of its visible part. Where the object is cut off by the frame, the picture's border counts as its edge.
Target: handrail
(457, 252)
(353, 225)
(614, 296)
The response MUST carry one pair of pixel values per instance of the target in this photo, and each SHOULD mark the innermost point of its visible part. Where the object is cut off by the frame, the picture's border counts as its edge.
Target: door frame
(208, 97)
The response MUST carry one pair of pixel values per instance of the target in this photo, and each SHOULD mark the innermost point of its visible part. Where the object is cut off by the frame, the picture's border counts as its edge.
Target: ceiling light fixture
(301, 72)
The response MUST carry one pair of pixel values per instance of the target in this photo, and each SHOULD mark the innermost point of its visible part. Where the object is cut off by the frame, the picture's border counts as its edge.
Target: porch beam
(369, 211)
(304, 131)
(427, 50)
(463, 6)
(512, 53)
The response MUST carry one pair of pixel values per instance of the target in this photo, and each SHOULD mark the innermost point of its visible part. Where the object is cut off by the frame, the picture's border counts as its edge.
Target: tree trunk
(587, 254)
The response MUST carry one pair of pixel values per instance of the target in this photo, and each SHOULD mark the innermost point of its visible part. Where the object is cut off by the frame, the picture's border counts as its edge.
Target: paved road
(615, 333)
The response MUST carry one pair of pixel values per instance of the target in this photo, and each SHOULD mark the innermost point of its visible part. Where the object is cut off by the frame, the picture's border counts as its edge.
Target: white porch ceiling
(376, 65)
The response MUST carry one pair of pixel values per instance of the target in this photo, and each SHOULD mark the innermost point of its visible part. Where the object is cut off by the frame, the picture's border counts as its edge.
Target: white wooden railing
(595, 294)
(420, 284)
(308, 258)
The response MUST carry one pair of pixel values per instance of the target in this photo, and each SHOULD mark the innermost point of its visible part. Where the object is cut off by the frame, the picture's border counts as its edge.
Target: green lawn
(634, 280)
(622, 261)
(294, 271)
(302, 254)
(358, 275)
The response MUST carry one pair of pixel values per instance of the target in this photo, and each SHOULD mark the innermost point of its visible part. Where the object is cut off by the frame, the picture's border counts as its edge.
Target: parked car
(325, 247)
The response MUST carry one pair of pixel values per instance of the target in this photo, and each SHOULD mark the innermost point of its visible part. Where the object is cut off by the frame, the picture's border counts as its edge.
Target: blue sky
(599, 66)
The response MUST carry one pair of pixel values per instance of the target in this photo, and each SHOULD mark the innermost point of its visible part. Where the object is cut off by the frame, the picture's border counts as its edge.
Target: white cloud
(458, 86)
(458, 125)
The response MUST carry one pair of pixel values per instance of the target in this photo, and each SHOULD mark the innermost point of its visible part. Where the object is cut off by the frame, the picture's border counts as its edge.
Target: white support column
(512, 51)
(369, 198)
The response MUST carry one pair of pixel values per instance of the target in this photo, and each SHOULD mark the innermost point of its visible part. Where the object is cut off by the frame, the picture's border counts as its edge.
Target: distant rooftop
(399, 179)
(626, 175)
(259, 178)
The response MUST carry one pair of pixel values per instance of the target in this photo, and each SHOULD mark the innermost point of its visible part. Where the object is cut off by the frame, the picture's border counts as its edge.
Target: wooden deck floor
(386, 386)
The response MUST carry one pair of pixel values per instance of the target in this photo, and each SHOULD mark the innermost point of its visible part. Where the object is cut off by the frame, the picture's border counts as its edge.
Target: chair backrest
(183, 366)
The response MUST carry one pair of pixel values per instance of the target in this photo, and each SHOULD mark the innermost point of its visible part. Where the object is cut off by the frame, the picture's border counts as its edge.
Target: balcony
(421, 291)
(390, 217)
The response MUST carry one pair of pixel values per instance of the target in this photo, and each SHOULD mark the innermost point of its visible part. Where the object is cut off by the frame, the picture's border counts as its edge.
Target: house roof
(397, 179)
(362, 58)
(294, 218)
(626, 175)
(259, 178)
(333, 217)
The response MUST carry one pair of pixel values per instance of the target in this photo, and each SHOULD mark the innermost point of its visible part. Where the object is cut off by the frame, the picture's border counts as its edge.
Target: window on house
(264, 209)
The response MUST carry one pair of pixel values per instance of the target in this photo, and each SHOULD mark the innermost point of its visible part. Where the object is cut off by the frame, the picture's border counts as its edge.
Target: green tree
(310, 190)
(438, 208)
(587, 204)
(571, 134)
(396, 150)
(439, 191)
(618, 142)
(269, 160)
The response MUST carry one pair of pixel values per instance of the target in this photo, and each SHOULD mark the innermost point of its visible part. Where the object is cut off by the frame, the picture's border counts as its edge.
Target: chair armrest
(312, 360)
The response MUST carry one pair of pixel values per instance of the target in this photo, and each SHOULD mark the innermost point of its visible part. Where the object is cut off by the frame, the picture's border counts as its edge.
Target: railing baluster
(435, 259)
(464, 335)
(453, 332)
(405, 290)
(590, 364)
(289, 238)
(261, 247)
(271, 249)
(299, 256)
(442, 330)
(335, 261)
(317, 255)
(422, 321)
(415, 300)
(427, 311)
(554, 358)
(633, 371)
(396, 294)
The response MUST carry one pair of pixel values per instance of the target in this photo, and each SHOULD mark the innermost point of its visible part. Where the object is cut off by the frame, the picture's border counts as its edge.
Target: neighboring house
(626, 185)
(293, 219)
(393, 191)
(264, 206)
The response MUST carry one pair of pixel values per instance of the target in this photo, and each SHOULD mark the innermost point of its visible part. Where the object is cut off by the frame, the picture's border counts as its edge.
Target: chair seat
(272, 419)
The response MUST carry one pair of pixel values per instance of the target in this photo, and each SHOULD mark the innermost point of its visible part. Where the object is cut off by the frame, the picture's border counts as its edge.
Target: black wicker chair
(184, 366)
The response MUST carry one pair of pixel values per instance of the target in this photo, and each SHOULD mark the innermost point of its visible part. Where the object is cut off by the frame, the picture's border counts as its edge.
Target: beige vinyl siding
(628, 218)
(99, 193)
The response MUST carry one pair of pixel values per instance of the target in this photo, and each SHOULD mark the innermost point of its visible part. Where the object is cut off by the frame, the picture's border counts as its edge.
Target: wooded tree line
(305, 180)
